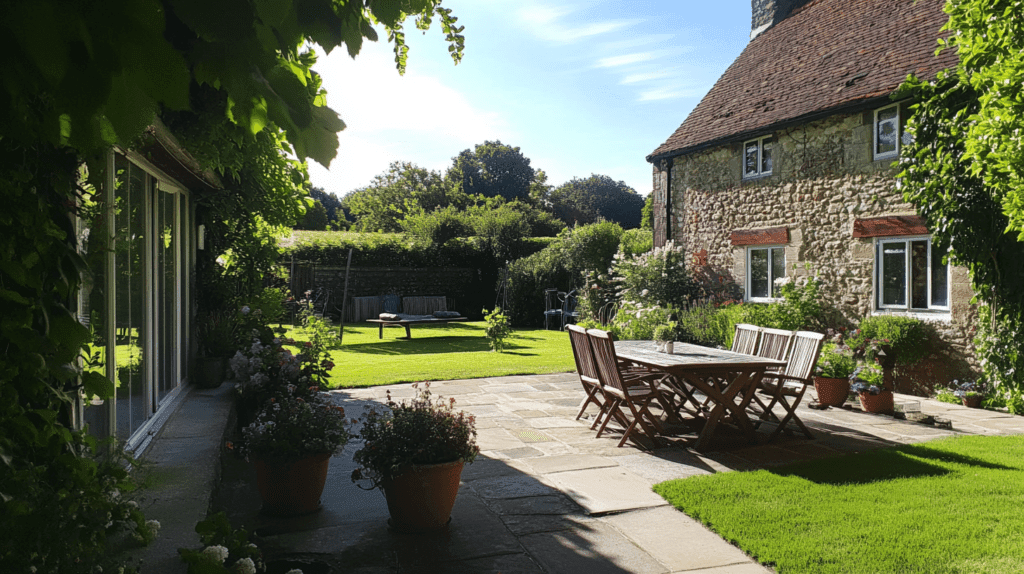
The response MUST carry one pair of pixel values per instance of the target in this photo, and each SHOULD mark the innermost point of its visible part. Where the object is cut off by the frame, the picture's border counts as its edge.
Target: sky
(580, 86)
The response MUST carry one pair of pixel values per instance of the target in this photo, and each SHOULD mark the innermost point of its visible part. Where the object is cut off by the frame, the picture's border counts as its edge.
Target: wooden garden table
(407, 323)
(728, 379)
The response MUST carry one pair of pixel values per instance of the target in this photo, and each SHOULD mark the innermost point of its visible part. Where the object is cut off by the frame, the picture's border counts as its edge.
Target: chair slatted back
(803, 357)
(774, 344)
(584, 354)
(607, 361)
(745, 339)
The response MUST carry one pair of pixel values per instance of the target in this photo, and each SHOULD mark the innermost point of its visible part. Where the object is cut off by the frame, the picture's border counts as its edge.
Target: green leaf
(95, 384)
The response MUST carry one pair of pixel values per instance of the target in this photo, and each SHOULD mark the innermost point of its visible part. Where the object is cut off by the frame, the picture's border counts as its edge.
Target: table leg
(380, 334)
(724, 402)
(408, 332)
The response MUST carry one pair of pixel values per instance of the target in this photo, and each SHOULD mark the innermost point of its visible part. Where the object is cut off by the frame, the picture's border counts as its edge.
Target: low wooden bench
(407, 323)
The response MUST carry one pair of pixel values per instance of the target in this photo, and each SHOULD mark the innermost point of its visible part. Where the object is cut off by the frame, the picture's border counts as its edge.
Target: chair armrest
(784, 378)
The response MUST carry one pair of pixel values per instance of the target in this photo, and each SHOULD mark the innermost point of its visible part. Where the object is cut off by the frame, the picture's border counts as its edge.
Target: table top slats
(687, 355)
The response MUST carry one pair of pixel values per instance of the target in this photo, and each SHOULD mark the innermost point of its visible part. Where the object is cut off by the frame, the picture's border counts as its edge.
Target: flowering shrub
(422, 431)
(835, 362)
(867, 379)
(266, 371)
(905, 336)
(322, 337)
(658, 277)
(293, 427)
(225, 550)
(966, 389)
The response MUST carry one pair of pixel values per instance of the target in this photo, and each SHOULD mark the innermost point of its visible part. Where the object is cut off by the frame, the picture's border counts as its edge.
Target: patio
(546, 496)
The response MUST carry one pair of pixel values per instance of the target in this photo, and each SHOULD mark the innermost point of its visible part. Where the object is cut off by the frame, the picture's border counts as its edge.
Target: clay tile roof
(829, 54)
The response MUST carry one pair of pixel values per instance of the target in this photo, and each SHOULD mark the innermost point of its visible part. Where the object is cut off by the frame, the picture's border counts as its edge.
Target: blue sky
(581, 87)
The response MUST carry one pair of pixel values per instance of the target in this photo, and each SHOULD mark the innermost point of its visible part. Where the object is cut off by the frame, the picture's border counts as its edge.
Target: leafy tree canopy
(94, 74)
(494, 169)
(330, 202)
(404, 189)
(597, 197)
(964, 170)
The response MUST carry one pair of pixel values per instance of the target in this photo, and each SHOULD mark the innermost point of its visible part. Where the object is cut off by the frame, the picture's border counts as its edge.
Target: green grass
(948, 506)
(442, 352)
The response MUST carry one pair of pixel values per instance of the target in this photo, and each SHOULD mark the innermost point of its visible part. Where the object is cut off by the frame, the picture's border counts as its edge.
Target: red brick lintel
(773, 236)
(892, 225)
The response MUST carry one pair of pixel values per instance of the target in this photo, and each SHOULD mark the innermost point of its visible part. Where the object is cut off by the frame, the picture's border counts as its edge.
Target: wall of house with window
(820, 198)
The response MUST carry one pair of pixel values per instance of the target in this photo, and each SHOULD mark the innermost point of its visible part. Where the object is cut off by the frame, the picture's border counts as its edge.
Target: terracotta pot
(973, 402)
(293, 487)
(880, 403)
(832, 391)
(421, 498)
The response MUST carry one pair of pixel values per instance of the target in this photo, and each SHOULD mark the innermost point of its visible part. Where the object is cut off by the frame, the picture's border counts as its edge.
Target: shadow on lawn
(882, 465)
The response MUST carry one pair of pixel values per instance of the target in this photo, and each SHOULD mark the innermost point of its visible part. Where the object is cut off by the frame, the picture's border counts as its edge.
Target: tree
(403, 189)
(597, 197)
(330, 202)
(963, 171)
(647, 213)
(315, 218)
(494, 169)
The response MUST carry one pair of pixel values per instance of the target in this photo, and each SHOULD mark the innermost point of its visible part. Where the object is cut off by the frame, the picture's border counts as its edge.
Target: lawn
(442, 352)
(947, 506)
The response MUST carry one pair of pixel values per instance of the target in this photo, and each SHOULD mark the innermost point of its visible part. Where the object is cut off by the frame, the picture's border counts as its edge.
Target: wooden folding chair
(622, 394)
(745, 339)
(774, 344)
(587, 370)
(792, 382)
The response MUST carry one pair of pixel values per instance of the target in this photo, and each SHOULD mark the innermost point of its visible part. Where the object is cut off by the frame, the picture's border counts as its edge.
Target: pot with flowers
(970, 393)
(414, 453)
(870, 388)
(832, 375)
(291, 442)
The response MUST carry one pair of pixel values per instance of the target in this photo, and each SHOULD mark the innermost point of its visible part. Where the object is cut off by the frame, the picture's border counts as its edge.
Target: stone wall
(823, 179)
(467, 290)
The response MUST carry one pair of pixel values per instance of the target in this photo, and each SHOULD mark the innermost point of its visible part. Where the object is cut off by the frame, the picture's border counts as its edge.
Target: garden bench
(408, 321)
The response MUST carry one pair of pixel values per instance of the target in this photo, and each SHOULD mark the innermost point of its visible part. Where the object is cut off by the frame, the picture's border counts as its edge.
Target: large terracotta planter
(831, 391)
(292, 488)
(880, 403)
(421, 498)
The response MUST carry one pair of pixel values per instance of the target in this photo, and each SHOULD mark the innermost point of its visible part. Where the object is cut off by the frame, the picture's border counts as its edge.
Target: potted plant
(870, 388)
(414, 452)
(970, 393)
(291, 443)
(216, 334)
(836, 365)
(891, 341)
(664, 335)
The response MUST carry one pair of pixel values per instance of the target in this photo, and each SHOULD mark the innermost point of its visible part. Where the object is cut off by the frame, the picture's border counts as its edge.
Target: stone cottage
(785, 168)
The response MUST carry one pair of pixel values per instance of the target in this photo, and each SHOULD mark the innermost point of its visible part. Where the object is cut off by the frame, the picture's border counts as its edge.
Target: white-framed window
(887, 132)
(757, 157)
(910, 275)
(765, 264)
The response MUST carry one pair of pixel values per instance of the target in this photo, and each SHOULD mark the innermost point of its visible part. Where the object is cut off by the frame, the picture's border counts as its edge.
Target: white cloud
(626, 59)
(668, 93)
(389, 118)
(547, 23)
(644, 77)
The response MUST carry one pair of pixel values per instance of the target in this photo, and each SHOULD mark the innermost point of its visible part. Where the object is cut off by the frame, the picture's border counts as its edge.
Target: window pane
(167, 296)
(940, 280)
(750, 159)
(93, 310)
(778, 268)
(129, 254)
(766, 155)
(887, 131)
(894, 274)
(919, 274)
(758, 273)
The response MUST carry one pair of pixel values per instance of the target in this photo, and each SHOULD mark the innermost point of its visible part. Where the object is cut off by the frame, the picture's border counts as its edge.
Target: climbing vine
(962, 172)
(234, 79)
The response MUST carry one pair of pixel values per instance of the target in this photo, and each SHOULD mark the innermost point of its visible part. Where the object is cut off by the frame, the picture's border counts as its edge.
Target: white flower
(245, 566)
(294, 571)
(153, 526)
(245, 310)
(133, 505)
(783, 281)
(218, 553)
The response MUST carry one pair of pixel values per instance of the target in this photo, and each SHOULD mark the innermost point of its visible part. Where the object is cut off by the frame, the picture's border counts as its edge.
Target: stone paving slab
(562, 463)
(606, 490)
(677, 541)
(591, 548)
